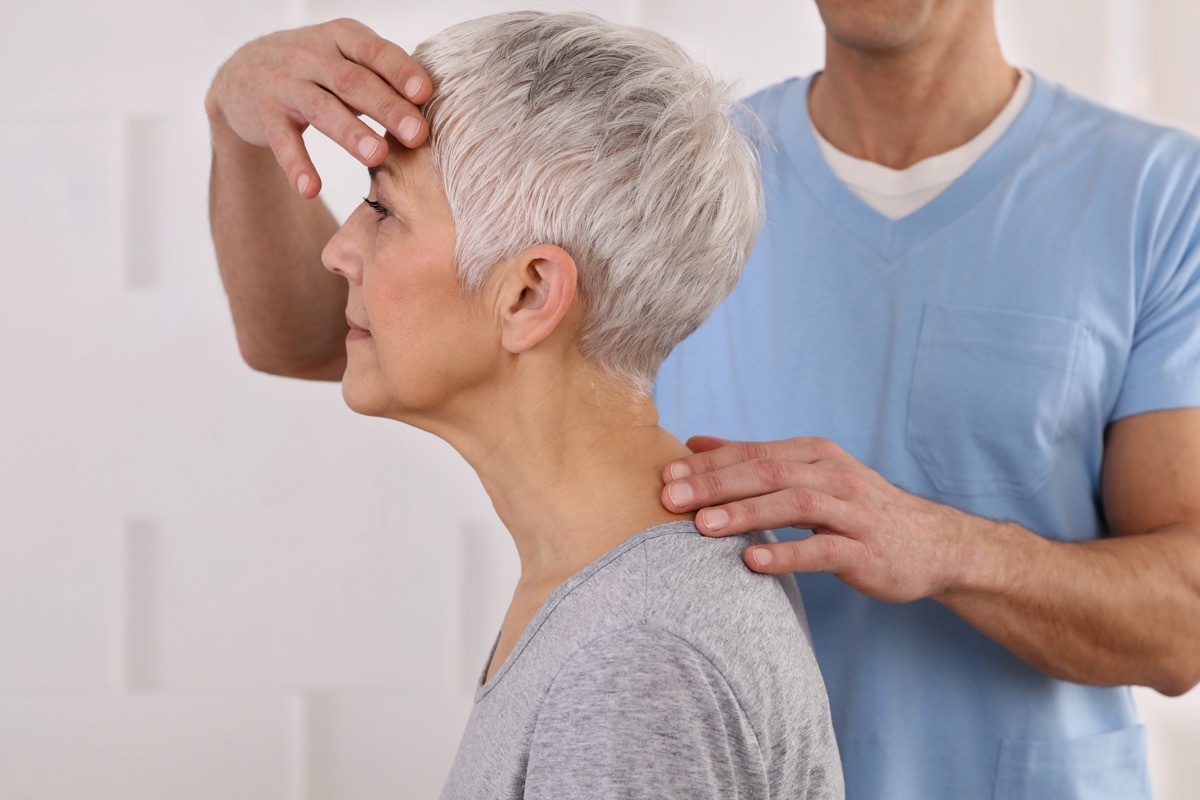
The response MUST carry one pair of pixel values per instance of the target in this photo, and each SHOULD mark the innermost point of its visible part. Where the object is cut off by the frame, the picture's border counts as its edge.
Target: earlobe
(538, 291)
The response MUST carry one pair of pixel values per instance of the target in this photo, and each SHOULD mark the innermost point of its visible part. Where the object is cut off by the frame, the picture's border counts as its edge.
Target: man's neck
(900, 106)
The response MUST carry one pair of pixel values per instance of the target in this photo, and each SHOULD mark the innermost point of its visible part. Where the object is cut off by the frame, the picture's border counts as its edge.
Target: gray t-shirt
(664, 669)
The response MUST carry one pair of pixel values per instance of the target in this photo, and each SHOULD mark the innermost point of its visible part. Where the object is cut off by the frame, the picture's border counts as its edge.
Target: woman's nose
(340, 256)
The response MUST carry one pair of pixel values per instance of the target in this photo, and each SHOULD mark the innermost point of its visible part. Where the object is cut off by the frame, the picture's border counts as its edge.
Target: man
(1008, 330)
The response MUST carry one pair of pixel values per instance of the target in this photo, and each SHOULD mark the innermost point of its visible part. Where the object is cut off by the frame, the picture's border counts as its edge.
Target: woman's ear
(536, 292)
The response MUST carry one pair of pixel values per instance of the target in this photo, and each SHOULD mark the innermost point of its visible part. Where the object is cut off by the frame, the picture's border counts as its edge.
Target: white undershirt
(896, 193)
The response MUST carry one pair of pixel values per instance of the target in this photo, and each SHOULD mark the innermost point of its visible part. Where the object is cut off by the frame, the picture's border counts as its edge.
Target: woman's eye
(378, 208)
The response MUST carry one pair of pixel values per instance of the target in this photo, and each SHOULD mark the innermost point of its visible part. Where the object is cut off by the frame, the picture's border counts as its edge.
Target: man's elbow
(1177, 683)
(1177, 674)
(328, 368)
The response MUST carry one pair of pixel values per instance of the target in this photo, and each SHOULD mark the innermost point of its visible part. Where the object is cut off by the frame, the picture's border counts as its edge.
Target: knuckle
(352, 132)
(391, 114)
(816, 549)
(852, 483)
(801, 502)
(281, 142)
(708, 486)
(317, 106)
(754, 450)
(293, 163)
(397, 74)
(825, 449)
(830, 548)
(348, 81)
(304, 59)
(769, 472)
(371, 49)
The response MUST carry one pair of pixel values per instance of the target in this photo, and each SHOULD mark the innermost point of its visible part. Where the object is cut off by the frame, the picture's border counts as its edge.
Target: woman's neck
(573, 466)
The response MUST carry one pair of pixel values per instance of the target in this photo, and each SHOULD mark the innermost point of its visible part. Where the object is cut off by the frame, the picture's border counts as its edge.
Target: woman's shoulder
(673, 579)
(692, 605)
(687, 571)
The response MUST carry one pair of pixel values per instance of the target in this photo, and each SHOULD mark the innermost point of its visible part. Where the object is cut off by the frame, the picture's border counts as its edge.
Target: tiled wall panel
(60, 608)
(756, 43)
(1032, 34)
(1174, 32)
(302, 602)
(132, 55)
(408, 24)
(487, 569)
(1173, 733)
(383, 745)
(183, 747)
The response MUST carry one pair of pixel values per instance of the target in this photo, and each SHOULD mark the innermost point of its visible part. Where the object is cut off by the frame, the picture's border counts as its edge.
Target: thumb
(821, 552)
(702, 444)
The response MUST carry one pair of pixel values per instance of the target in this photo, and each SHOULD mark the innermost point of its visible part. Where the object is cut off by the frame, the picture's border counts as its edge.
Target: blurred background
(219, 584)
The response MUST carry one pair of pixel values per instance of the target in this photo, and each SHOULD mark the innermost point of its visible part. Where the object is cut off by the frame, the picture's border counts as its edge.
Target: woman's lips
(356, 331)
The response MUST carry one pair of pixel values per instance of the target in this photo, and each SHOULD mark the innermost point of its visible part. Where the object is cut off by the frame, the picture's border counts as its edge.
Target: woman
(585, 201)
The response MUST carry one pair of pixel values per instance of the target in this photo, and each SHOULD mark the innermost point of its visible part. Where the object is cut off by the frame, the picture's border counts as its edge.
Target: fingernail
(412, 87)
(681, 494)
(302, 184)
(715, 518)
(680, 470)
(368, 146)
(762, 556)
(409, 127)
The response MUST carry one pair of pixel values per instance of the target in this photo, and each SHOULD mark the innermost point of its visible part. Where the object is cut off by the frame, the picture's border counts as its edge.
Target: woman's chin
(362, 401)
(371, 402)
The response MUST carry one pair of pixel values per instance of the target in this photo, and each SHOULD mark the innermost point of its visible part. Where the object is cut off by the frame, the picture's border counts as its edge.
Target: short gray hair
(610, 142)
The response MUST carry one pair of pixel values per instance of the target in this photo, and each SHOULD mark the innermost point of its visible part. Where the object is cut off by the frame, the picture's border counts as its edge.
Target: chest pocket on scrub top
(988, 397)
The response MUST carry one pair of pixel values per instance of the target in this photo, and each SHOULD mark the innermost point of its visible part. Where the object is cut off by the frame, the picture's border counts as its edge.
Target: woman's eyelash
(378, 207)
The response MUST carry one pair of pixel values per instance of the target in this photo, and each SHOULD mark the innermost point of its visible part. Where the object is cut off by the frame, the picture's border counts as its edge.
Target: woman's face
(416, 347)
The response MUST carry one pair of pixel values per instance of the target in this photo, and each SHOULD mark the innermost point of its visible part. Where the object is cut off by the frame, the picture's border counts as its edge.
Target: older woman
(585, 201)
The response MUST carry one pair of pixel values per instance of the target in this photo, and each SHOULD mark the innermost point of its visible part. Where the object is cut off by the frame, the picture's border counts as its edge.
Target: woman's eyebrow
(384, 167)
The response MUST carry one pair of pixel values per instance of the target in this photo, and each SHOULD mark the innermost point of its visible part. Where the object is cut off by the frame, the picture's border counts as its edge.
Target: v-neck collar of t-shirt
(483, 686)
(896, 193)
(891, 239)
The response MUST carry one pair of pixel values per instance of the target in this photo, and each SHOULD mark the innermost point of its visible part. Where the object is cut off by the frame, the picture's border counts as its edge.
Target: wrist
(989, 557)
(232, 147)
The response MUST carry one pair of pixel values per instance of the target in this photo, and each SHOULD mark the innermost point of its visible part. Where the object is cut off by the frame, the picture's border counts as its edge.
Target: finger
(288, 147)
(745, 479)
(386, 59)
(365, 92)
(712, 452)
(820, 552)
(806, 449)
(330, 116)
(389, 61)
(793, 507)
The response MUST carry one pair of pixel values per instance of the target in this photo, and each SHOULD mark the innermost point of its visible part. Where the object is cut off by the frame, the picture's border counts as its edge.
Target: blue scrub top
(973, 353)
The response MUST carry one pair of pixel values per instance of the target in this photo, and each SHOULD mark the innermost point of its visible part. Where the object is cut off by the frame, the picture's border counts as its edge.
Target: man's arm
(288, 310)
(1114, 611)
(1122, 610)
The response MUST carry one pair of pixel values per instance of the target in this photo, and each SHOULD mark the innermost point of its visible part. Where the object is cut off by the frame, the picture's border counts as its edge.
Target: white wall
(219, 584)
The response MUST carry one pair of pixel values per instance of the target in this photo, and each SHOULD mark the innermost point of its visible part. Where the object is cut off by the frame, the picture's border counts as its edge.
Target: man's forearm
(289, 312)
(1123, 610)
